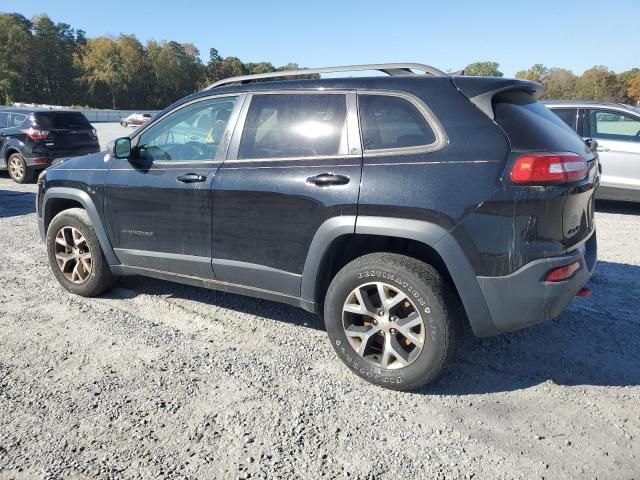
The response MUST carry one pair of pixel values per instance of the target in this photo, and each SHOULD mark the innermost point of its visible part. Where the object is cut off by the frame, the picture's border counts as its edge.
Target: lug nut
(392, 331)
(375, 322)
(380, 313)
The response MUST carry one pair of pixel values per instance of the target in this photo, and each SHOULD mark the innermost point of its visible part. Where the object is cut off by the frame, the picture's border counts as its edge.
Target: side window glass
(295, 125)
(17, 119)
(610, 125)
(567, 115)
(4, 119)
(392, 122)
(193, 133)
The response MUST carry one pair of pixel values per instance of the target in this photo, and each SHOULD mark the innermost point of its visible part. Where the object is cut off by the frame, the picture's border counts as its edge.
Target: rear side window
(612, 125)
(4, 119)
(392, 122)
(531, 126)
(568, 116)
(17, 119)
(295, 125)
(62, 121)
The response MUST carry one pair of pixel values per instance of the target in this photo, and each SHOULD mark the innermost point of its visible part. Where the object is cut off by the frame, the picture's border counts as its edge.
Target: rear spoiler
(482, 90)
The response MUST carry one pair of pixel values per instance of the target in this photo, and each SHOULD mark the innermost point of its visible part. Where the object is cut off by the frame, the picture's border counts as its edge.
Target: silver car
(616, 127)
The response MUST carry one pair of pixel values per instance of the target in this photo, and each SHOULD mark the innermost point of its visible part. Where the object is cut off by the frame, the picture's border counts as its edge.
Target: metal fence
(99, 116)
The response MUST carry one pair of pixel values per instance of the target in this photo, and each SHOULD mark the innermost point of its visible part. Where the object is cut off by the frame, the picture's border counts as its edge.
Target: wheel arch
(58, 199)
(335, 245)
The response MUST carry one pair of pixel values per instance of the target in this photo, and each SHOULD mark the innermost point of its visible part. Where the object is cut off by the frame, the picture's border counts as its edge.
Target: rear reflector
(35, 134)
(41, 160)
(541, 168)
(560, 274)
(584, 292)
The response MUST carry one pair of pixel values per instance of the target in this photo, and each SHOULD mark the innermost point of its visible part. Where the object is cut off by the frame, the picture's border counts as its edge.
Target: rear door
(70, 133)
(618, 136)
(295, 163)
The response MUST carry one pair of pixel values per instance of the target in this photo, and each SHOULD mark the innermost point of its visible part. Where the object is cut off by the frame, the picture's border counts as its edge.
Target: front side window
(294, 125)
(192, 133)
(392, 122)
(610, 125)
(567, 115)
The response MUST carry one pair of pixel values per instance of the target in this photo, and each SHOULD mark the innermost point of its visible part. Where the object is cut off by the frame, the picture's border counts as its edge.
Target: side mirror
(592, 143)
(120, 147)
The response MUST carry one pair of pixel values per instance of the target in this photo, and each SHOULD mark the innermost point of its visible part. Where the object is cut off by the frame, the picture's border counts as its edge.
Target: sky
(446, 34)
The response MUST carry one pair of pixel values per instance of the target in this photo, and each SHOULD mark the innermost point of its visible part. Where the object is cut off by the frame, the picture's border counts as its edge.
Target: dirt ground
(157, 380)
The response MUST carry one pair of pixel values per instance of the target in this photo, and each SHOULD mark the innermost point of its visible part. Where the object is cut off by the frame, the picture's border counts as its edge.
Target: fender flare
(85, 200)
(10, 145)
(430, 234)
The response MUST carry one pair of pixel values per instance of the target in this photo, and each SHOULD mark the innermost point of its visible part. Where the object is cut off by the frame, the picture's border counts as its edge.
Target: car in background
(33, 139)
(135, 119)
(616, 128)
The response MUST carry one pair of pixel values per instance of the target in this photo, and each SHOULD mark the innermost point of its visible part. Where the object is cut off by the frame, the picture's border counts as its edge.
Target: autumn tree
(559, 84)
(599, 83)
(537, 73)
(634, 89)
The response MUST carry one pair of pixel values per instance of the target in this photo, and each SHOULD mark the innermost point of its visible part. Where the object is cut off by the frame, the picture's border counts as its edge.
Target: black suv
(397, 207)
(31, 140)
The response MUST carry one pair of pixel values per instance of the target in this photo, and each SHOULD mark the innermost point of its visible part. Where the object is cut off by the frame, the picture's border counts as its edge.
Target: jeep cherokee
(397, 207)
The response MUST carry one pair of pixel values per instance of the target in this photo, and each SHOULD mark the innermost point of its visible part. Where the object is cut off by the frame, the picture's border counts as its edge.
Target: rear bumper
(523, 298)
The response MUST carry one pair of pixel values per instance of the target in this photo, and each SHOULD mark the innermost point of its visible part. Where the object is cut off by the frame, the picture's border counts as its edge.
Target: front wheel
(75, 256)
(392, 319)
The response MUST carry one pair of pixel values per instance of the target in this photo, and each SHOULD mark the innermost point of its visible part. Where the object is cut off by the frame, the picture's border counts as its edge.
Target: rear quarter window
(62, 121)
(531, 126)
(390, 122)
(4, 119)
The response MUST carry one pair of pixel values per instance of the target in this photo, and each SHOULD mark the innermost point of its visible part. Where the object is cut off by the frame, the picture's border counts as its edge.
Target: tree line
(53, 63)
(596, 83)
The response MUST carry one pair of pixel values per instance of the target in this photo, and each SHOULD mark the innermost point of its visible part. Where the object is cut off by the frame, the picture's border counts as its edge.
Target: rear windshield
(531, 126)
(62, 120)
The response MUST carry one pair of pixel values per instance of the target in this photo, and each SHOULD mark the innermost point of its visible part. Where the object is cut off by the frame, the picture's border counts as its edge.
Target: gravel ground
(158, 380)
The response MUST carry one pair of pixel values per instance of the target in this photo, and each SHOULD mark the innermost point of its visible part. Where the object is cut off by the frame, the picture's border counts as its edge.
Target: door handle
(327, 179)
(191, 178)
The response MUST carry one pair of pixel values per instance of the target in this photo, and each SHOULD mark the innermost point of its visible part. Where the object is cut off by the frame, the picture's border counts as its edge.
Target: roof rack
(392, 69)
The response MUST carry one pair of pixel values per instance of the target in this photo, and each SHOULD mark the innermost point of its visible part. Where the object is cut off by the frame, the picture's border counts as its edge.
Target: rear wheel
(124, 123)
(18, 170)
(392, 319)
(75, 256)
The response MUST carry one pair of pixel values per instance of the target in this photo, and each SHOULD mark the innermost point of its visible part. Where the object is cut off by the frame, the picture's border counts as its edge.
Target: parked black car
(31, 139)
(397, 207)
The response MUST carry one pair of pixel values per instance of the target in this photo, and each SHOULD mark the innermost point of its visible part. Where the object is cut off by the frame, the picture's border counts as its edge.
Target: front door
(294, 164)
(158, 203)
(618, 136)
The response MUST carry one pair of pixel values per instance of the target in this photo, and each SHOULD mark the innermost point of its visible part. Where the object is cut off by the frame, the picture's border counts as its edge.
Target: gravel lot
(158, 380)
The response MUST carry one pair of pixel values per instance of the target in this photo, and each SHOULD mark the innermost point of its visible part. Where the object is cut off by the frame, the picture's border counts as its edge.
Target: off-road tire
(426, 289)
(100, 279)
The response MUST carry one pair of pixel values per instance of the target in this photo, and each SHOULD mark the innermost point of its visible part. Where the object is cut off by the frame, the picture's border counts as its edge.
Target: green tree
(599, 83)
(537, 73)
(51, 69)
(176, 70)
(560, 84)
(15, 36)
(103, 66)
(483, 69)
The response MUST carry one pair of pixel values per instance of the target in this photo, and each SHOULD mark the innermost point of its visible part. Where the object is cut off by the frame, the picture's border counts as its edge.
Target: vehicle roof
(589, 103)
(36, 110)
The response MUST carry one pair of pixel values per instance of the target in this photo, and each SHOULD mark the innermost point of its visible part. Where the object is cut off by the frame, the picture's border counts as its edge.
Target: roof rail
(393, 69)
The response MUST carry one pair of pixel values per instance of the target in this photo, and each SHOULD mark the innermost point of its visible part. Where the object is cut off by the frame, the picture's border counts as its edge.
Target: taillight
(35, 134)
(540, 168)
(560, 274)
